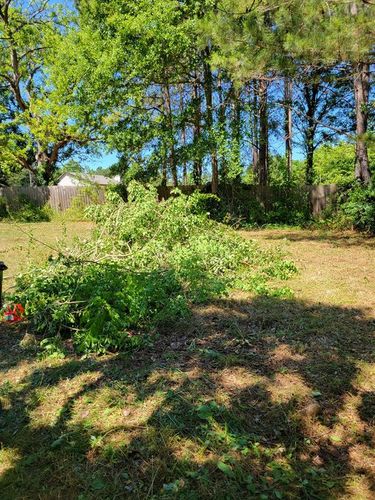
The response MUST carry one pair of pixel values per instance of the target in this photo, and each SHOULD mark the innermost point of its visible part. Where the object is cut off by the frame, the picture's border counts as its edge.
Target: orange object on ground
(15, 314)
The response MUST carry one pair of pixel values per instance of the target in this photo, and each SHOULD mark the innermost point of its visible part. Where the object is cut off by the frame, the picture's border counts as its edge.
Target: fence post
(3, 268)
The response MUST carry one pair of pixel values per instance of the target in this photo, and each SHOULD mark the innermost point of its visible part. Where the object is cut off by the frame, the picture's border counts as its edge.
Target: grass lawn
(21, 244)
(252, 397)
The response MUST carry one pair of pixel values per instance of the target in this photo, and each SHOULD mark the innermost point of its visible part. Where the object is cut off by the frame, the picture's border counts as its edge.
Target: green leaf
(316, 394)
(204, 412)
(58, 442)
(335, 439)
(97, 484)
(225, 468)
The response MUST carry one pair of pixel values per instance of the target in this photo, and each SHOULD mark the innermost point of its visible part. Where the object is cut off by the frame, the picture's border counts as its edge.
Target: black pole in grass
(3, 268)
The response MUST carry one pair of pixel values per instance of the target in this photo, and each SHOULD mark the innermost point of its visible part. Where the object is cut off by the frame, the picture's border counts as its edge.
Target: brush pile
(145, 264)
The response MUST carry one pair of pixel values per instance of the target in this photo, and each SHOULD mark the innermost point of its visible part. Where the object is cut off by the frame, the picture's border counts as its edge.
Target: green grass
(250, 398)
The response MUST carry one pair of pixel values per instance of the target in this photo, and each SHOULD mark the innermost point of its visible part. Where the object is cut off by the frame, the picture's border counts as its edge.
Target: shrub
(145, 263)
(29, 211)
(354, 208)
(334, 163)
(88, 195)
(358, 207)
(284, 205)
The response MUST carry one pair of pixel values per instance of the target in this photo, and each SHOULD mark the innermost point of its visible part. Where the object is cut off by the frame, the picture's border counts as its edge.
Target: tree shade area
(188, 92)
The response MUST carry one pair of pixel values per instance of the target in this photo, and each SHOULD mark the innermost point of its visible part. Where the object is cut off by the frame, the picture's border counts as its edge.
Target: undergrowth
(353, 209)
(25, 210)
(145, 263)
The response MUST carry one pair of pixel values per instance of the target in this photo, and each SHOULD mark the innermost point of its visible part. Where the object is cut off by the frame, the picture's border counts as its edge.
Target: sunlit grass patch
(285, 387)
(358, 486)
(52, 403)
(20, 243)
(238, 378)
(105, 409)
(365, 379)
(8, 459)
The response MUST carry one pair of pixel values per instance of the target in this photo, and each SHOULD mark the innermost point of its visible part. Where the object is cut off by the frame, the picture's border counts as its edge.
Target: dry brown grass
(24, 244)
(336, 268)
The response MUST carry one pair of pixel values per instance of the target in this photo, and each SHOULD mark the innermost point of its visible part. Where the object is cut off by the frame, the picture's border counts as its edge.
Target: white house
(82, 179)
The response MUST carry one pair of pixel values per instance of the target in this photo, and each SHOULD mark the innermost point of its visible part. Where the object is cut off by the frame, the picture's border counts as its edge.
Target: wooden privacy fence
(315, 198)
(59, 198)
(321, 197)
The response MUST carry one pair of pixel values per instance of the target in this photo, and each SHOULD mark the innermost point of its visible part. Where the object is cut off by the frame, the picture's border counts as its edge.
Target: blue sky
(102, 161)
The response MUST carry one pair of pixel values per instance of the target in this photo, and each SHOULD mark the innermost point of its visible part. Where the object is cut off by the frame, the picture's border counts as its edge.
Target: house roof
(102, 180)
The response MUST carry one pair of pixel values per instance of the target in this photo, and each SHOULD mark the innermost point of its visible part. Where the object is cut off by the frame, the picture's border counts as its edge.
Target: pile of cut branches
(145, 264)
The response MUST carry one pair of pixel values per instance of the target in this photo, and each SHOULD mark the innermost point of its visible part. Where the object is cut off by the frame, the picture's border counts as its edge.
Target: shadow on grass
(262, 398)
(336, 239)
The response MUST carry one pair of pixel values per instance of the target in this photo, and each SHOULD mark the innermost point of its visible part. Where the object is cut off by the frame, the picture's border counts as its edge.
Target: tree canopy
(184, 91)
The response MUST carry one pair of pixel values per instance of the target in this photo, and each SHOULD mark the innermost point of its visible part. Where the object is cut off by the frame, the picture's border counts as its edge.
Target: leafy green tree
(322, 109)
(334, 163)
(162, 88)
(42, 126)
(142, 76)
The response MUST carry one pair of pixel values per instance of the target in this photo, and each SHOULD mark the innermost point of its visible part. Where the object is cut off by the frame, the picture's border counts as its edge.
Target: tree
(142, 79)
(208, 90)
(361, 93)
(332, 33)
(288, 124)
(333, 163)
(322, 109)
(42, 127)
(71, 166)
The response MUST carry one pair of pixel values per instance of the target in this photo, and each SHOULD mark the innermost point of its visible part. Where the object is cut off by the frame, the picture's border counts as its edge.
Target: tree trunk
(263, 133)
(236, 127)
(255, 131)
(208, 90)
(310, 91)
(361, 92)
(183, 137)
(197, 166)
(172, 166)
(221, 116)
(164, 171)
(172, 156)
(184, 163)
(288, 96)
(44, 165)
(310, 157)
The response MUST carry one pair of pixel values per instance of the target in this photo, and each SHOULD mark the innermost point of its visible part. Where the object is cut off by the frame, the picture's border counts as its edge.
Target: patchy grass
(22, 244)
(337, 268)
(250, 398)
